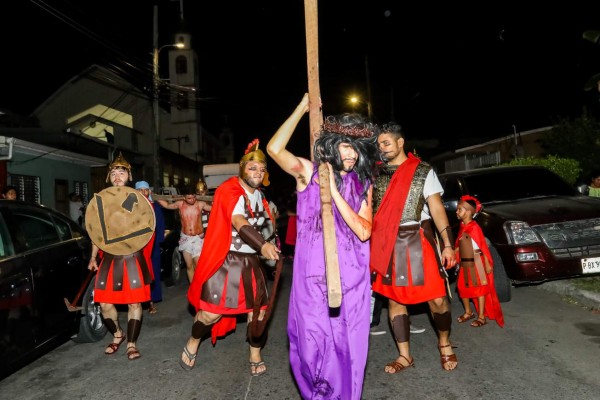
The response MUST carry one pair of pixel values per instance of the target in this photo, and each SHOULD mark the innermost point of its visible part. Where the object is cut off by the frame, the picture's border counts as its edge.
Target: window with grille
(81, 189)
(28, 187)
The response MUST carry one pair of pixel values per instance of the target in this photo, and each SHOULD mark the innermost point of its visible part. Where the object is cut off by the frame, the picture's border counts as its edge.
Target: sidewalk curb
(586, 298)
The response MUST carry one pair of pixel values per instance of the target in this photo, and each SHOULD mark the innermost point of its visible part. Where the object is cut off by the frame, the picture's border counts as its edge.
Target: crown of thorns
(332, 125)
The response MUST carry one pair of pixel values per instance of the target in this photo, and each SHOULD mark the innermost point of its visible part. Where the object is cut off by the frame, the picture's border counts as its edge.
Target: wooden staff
(332, 266)
(72, 305)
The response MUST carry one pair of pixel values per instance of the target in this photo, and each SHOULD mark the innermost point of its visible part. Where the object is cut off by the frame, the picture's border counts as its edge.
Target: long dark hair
(356, 131)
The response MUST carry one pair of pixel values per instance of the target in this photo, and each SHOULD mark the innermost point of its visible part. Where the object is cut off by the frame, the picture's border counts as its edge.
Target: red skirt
(434, 285)
(124, 279)
(470, 290)
(235, 287)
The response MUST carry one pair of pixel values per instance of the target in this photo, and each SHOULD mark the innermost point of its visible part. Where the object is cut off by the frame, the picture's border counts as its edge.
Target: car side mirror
(583, 189)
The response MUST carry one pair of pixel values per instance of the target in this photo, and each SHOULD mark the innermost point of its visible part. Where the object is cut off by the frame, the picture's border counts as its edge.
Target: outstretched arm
(298, 167)
(169, 206)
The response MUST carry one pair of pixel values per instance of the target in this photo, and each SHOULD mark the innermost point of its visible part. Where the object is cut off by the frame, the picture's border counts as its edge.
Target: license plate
(590, 265)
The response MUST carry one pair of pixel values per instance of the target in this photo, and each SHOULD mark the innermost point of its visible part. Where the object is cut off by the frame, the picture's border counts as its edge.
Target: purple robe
(328, 348)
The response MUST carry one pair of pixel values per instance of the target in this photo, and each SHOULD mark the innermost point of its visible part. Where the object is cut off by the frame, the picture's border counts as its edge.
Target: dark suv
(538, 227)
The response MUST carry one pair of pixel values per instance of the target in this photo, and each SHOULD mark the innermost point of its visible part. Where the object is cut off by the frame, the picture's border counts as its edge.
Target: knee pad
(199, 330)
(111, 325)
(256, 341)
(401, 328)
(442, 321)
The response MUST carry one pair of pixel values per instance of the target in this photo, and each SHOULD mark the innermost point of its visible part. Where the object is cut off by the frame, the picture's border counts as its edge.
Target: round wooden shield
(120, 220)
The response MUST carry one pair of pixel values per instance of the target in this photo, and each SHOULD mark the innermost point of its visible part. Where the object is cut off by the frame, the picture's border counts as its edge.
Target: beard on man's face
(252, 182)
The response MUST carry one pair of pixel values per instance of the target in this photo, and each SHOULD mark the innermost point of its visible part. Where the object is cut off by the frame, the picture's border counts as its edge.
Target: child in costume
(475, 276)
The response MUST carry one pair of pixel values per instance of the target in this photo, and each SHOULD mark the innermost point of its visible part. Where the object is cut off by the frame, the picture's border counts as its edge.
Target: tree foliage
(577, 139)
(566, 168)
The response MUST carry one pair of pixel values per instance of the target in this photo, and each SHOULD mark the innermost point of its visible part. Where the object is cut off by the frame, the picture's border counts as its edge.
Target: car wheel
(91, 326)
(501, 281)
(176, 264)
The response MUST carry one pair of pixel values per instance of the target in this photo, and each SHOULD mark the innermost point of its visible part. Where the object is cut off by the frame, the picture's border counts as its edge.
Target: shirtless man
(192, 231)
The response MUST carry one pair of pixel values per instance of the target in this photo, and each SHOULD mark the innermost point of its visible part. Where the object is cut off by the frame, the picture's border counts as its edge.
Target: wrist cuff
(252, 237)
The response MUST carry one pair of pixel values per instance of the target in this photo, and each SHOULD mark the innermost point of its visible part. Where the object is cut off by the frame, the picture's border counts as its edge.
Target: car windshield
(507, 185)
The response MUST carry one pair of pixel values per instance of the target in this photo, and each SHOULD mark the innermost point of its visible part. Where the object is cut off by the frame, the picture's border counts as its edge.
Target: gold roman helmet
(253, 153)
(119, 162)
(201, 187)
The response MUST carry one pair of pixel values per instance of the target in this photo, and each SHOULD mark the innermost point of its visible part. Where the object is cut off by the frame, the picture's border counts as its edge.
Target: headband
(472, 201)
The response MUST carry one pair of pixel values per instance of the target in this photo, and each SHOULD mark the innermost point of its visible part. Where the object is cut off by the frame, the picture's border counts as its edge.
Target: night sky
(452, 72)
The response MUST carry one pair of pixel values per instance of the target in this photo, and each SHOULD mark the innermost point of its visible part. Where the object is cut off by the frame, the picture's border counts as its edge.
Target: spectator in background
(9, 193)
(594, 186)
(159, 237)
(290, 234)
(76, 208)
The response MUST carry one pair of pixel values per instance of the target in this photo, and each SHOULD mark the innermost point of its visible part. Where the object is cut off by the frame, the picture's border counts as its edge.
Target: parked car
(537, 226)
(171, 259)
(43, 262)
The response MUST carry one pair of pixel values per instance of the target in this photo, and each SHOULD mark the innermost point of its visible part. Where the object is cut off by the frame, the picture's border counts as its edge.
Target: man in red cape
(228, 280)
(475, 279)
(409, 267)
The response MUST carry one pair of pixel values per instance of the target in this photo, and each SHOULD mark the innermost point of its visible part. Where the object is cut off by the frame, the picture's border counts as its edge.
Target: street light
(354, 100)
(155, 106)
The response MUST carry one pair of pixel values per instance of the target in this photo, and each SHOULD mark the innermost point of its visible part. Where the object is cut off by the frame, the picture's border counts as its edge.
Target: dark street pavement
(548, 349)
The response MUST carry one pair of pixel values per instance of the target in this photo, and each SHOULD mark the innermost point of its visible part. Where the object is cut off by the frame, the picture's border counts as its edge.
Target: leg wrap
(442, 321)
(401, 328)
(199, 330)
(256, 341)
(134, 326)
(112, 326)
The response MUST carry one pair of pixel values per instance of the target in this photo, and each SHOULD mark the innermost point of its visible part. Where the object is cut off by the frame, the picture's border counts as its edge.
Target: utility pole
(369, 100)
(155, 106)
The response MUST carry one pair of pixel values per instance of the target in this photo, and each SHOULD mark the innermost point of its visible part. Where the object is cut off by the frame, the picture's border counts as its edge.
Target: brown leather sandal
(445, 359)
(478, 322)
(133, 353)
(397, 367)
(115, 346)
(465, 317)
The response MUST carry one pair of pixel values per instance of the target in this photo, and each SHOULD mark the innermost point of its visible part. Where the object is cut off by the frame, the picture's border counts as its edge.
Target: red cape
(217, 242)
(389, 213)
(492, 304)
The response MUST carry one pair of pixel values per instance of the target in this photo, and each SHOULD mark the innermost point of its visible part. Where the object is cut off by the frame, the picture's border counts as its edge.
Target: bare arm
(360, 223)
(169, 206)
(206, 206)
(301, 169)
(438, 213)
(93, 264)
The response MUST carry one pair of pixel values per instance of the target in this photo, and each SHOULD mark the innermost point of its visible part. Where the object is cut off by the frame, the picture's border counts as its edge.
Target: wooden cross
(332, 267)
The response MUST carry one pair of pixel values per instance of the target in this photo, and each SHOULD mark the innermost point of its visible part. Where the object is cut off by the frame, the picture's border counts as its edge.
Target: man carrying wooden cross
(328, 346)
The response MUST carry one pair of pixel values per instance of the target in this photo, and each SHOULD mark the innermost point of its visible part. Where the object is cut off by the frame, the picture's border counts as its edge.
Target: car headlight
(519, 232)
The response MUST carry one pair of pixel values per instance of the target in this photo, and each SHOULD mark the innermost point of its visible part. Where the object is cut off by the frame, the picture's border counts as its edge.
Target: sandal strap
(188, 354)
